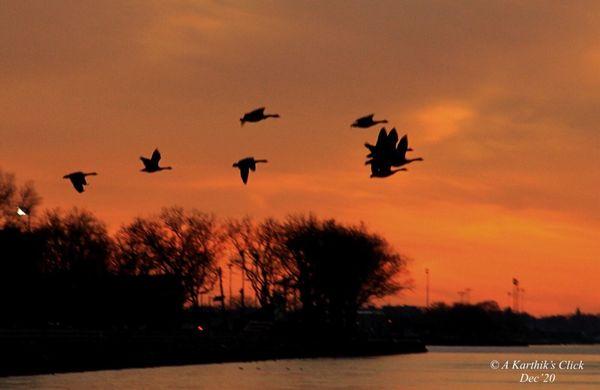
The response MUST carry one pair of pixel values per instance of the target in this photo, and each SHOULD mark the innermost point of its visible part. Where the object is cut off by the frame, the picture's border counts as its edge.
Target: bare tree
(8, 189)
(185, 245)
(75, 241)
(258, 252)
(13, 196)
(138, 248)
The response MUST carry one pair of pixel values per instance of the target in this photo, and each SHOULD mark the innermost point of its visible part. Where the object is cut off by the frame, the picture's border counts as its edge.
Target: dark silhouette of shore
(38, 351)
(485, 323)
(74, 297)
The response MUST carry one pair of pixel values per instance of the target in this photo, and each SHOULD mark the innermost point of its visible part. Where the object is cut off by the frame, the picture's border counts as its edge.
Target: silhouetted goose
(366, 121)
(78, 179)
(387, 150)
(399, 158)
(245, 165)
(151, 164)
(386, 143)
(256, 116)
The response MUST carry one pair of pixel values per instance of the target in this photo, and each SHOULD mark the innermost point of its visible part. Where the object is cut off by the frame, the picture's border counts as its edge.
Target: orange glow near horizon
(499, 98)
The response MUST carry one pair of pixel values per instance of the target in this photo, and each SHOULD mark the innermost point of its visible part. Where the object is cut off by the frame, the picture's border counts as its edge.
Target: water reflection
(443, 367)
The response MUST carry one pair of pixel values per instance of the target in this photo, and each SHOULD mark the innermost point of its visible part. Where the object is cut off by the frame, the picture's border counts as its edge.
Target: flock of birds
(387, 153)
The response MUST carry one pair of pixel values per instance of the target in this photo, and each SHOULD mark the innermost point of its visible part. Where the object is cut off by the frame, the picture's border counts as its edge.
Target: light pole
(427, 288)
(515, 295)
(230, 265)
(468, 295)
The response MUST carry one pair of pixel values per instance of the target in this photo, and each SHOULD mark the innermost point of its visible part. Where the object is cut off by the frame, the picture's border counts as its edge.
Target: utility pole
(461, 294)
(222, 296)
(242, 298)
(515, 295)
(427, 288)
(230, 265)
(468, 295)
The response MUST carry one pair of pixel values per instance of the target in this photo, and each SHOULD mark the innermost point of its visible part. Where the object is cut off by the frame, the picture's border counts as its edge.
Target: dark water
(441, 368)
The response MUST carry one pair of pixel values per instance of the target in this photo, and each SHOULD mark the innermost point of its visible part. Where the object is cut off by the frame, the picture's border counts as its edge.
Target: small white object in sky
(21, 212)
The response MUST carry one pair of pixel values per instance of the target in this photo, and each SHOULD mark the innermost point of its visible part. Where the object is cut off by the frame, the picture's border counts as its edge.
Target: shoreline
(46, 354)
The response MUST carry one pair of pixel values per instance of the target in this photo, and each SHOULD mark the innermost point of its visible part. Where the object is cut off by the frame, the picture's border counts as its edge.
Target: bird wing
(244, 172)
(155, 156)
(146, 161)
(78, 184)
(366, 118)
(381, 138)
(370, 147)
(258, 111)
(392, 138)
(403, 145)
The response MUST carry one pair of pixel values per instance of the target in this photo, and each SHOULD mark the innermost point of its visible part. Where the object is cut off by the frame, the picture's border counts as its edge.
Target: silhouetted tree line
(65, 268)
(485, 323)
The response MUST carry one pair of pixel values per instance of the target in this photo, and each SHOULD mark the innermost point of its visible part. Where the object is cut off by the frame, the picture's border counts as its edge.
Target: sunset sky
(502, 99)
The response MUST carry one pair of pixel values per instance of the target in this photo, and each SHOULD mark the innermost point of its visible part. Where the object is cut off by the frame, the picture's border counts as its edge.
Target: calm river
(442, 368)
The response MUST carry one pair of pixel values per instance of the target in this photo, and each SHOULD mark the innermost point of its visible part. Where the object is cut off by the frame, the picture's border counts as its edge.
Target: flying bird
(366, 122)
(385, 142)
(400, 155)
(78, 179)
(246, 165)
(151, 164)
(389, 150)
(256, 116)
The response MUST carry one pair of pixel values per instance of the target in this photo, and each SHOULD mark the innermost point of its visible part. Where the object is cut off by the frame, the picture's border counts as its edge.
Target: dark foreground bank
(27, 352)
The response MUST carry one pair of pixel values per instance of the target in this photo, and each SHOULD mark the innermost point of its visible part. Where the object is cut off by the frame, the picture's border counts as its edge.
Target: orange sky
(501, 99)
